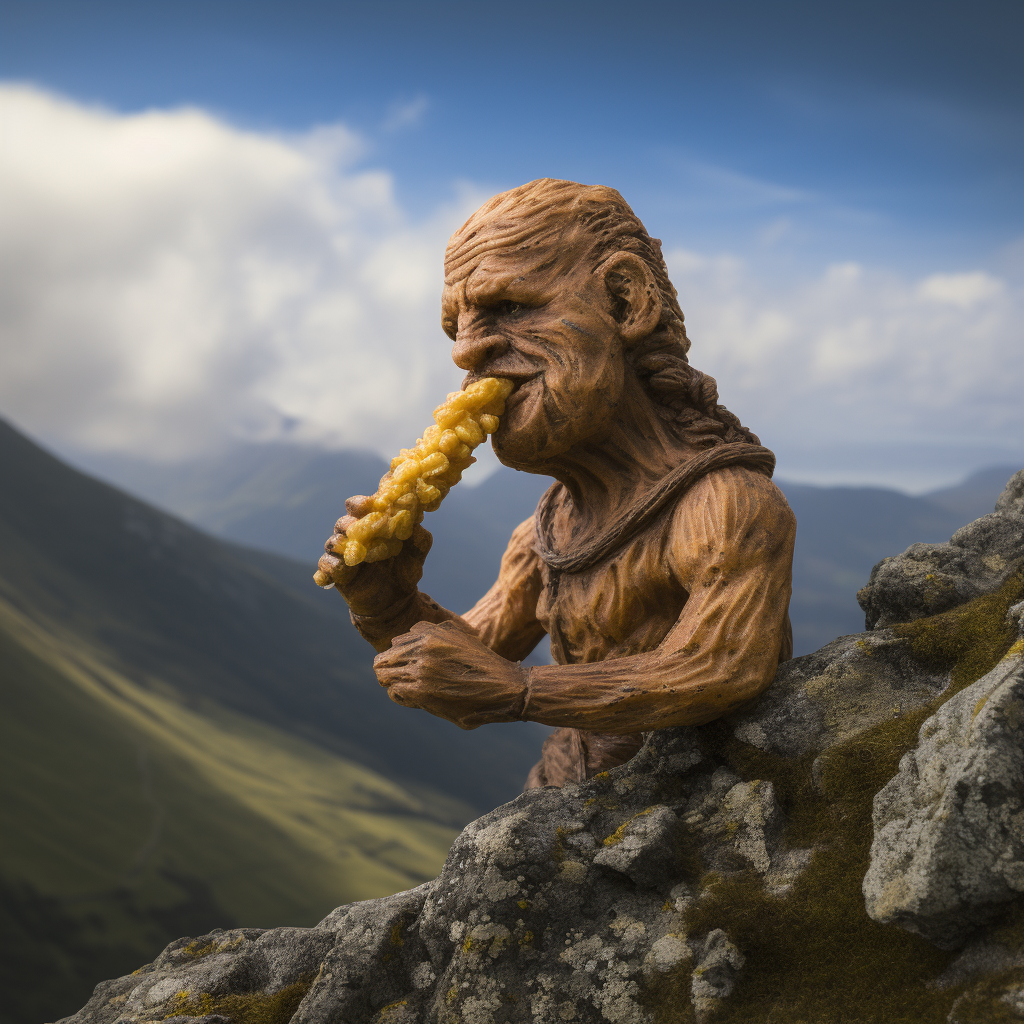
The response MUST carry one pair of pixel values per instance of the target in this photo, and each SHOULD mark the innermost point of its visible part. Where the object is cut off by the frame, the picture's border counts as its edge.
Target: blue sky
(790, 137)
(900, 120)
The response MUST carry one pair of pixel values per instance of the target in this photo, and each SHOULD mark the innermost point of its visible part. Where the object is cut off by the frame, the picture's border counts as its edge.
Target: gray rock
(931, 578)
(822, 699)
(644, 847)
(978, 959)
(715, 975)
(948, 849)
(737, 824)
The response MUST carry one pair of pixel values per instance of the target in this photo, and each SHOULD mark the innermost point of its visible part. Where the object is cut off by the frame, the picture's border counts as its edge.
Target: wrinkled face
(543, 320)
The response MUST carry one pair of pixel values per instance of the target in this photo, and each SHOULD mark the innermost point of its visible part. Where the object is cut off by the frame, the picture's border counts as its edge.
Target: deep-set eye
(507, 308)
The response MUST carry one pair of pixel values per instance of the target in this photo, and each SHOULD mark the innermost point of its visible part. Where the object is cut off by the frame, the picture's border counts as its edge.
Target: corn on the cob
(420, 477)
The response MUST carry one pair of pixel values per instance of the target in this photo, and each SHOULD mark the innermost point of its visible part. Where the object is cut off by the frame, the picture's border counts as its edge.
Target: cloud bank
(861, 373)
(170, 283)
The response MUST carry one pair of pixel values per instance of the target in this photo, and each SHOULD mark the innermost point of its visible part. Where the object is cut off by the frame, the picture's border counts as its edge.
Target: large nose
(475, 346)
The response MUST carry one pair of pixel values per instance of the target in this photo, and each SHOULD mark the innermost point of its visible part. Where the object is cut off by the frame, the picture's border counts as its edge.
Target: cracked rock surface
(718, 875)
(948, 850)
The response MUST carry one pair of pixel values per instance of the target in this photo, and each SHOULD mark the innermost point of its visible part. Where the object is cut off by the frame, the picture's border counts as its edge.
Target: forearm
(382, 628)
(723, 652)
(646, 691)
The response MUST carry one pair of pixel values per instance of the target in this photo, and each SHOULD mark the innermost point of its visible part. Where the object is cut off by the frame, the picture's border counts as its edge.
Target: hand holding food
(420, 477)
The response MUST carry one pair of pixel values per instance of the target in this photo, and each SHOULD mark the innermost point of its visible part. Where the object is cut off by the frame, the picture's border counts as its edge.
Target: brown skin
(560, 330)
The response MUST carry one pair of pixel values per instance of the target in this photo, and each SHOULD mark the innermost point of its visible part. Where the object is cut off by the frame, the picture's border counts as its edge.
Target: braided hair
(544, 212)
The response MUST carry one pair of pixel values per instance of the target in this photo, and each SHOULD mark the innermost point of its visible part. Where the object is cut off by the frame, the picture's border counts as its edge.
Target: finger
(421, 540)
(455, 625)
(401, 641)
(400, 695)
(359, 504)
(334, 567)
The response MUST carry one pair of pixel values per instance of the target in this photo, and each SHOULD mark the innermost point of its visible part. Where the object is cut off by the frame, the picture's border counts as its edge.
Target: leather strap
(647, 506)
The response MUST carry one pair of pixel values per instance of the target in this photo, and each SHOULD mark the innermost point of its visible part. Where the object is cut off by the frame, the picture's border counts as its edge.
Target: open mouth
(518, 380)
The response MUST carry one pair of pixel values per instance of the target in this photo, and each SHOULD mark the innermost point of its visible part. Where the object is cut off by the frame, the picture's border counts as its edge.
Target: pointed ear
(634, 293)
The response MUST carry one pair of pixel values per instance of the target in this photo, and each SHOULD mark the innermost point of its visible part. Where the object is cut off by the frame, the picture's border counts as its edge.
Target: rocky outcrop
(931, 578)
(948, 850)
(718, 875)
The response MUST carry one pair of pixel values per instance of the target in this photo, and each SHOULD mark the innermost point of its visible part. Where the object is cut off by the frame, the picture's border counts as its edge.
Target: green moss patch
(814, 955)
(253, 1008)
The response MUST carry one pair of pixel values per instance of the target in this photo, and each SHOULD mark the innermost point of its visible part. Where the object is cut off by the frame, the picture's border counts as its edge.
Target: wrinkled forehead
(497, 247)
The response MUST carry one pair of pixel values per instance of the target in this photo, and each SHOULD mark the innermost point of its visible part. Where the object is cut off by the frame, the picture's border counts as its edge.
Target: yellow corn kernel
(389, 493)
(447, 416)
(420, 477)
(468, 431)
(402, 524)
(363, 529)
(354, 552)
(408, 471)
(448, 442)
(426, 493)
(433, 464)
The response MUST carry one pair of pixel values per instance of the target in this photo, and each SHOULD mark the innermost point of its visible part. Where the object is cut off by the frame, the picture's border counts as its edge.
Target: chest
(626, 604)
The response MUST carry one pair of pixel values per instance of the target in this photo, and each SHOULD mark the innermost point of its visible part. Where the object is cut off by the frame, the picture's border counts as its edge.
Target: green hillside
(188, 742)
(132, 819)
(174, 606)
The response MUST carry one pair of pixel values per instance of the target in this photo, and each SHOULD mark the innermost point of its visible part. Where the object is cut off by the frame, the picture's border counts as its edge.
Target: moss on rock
(251, 1008)
(813, 954)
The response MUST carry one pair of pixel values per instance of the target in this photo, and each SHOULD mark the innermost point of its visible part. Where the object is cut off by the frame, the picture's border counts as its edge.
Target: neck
(603, 475)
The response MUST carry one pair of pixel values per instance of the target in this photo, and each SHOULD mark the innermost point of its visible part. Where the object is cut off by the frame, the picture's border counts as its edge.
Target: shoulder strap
(643, 511)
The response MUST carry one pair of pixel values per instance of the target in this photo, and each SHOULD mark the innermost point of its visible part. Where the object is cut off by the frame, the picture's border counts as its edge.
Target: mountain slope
(220, 622)
(128, 818)
(188, 742)
(841, 533)
(285, 498)
(974, 497)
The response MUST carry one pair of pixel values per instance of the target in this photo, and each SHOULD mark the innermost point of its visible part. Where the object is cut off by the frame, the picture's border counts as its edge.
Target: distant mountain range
(190, 740)
(285, 499)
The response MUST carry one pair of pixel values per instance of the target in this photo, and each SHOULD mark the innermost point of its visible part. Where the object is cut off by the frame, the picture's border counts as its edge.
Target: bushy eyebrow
(488, 290)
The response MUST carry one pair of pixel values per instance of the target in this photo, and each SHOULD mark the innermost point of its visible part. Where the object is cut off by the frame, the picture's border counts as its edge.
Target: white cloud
(861, 356)
(963, 290)
(169, 282)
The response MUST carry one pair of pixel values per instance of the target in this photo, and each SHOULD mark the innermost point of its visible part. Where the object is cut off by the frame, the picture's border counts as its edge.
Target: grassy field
(130, 818)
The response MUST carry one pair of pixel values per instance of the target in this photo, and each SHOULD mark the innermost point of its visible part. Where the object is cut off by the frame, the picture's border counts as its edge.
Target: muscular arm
(505, 618)
(732, 549)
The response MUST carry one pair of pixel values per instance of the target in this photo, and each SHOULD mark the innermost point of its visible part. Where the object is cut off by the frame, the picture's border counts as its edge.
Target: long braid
(687, 398)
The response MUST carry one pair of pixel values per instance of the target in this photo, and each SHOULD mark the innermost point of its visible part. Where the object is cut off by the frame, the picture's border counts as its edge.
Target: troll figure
(659, 563)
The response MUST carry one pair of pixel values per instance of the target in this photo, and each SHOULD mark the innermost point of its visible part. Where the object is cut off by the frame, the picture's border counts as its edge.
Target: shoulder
(733, 512)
